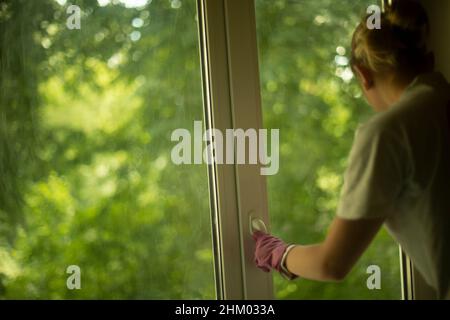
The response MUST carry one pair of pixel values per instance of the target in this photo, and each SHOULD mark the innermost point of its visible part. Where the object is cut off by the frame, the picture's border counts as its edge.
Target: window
(87, 110)
(308, 92)
(87, 179)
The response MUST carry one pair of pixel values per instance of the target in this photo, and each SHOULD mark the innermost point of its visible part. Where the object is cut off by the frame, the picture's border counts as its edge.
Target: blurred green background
(85, 123)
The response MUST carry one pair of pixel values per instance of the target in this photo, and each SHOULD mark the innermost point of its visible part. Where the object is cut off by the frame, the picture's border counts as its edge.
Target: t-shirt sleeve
(373, 178)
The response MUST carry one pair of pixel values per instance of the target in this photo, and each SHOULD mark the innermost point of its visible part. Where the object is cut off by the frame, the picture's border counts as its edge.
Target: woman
(399, 165)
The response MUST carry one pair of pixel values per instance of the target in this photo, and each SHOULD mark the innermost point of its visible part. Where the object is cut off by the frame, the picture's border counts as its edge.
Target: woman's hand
(270, 252)
(330, 260)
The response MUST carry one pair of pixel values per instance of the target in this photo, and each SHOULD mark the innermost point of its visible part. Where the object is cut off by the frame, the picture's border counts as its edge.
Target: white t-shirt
(399, 168)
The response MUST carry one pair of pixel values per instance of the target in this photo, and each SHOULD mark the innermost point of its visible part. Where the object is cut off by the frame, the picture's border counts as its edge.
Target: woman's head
(388, 59)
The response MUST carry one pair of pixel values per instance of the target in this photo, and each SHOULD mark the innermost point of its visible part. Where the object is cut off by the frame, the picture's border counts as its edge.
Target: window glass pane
(308, 92)
(86, 116)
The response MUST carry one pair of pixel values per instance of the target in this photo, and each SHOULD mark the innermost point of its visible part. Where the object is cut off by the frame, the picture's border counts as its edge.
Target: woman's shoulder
(386, 123)
(421, 103)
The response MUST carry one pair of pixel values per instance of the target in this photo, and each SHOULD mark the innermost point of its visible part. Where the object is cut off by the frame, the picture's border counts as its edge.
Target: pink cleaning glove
(269, 251)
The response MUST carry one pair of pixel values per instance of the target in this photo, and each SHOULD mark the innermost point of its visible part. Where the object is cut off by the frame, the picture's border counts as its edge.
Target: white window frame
(229, 58)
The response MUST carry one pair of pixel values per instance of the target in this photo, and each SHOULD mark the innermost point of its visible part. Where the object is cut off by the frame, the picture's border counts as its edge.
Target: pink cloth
(269, 251)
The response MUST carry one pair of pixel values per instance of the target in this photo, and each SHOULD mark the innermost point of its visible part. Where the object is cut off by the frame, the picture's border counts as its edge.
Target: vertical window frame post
(227, 31)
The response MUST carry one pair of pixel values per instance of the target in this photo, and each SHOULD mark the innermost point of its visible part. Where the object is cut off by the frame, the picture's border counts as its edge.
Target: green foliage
(85, 123)
(92, 177)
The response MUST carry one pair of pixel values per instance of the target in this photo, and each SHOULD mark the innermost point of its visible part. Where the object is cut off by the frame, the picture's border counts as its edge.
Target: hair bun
(407, 15)
(400, 45)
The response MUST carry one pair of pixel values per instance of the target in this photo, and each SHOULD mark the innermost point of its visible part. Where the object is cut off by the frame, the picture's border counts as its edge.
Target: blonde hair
(399, 46)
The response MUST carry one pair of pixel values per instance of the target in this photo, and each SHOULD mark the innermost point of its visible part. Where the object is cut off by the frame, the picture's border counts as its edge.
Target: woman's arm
(333, 259)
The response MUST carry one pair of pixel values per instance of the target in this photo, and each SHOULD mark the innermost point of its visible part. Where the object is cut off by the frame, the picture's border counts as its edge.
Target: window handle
(257, 224)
